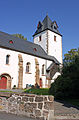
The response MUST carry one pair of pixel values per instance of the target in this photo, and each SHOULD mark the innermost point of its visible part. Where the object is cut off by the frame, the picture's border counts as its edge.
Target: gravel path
(5, 116)
(62, 108)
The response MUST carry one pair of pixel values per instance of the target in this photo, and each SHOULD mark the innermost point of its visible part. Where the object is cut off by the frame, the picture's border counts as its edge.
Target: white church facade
(23, 62)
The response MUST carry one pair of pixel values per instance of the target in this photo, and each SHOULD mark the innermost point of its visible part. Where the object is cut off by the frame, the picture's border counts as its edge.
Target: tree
(67, 85)
(70, 56)
(20, 36)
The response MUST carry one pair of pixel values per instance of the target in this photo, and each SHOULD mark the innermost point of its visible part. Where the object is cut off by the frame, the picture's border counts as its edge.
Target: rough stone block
(21, 107)
(49, 105)
(11, 99)
(45, 98)
(45, 113)
(13, 110)
(18, 100)
(39, 99)
(29, 107)
(37, 113)
(40, 105)
(24, 98)
(31, 99)
(51, 98)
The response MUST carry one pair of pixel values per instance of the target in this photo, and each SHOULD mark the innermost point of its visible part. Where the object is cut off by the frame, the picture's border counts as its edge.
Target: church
(25, 63)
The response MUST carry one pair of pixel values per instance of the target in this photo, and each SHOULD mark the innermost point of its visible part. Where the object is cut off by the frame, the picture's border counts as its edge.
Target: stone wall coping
(7, 94)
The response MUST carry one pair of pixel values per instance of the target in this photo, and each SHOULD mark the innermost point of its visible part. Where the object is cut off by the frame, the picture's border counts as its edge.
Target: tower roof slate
(47, 24)
(11, 42)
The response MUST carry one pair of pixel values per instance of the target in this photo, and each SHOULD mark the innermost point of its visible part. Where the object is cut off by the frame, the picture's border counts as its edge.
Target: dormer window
(39, 25)
(39, 38)
(35, 49)
(55, 27)
(11, 42)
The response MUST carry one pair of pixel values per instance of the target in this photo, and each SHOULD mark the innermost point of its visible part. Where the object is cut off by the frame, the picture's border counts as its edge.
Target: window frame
(28, 67)
(55, 38)
(7, 59)
(43, 69)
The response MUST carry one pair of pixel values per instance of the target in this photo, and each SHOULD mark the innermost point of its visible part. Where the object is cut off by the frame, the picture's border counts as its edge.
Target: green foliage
(70, 56)
(67, 85)
(73, 101)
(41, 91)
(20, 36)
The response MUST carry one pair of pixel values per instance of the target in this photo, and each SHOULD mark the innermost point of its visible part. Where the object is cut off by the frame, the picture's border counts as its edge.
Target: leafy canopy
(70, 56)
(20, 36)
(67, 85)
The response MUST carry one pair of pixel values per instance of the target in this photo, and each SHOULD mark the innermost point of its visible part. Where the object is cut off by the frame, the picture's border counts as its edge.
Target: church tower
(49, 38)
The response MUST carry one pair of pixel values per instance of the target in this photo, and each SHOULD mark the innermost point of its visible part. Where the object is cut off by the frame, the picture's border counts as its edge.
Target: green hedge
(41, 91)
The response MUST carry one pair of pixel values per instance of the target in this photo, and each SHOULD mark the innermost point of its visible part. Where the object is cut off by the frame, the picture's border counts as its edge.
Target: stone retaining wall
(39, 107)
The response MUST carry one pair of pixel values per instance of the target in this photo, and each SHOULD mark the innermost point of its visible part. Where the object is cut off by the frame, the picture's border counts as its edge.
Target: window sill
(7, 64)
(28, 73)
(43, 75)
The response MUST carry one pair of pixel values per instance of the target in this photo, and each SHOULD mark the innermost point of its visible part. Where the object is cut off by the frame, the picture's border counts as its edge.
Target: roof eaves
(47, 29)
(43, 57)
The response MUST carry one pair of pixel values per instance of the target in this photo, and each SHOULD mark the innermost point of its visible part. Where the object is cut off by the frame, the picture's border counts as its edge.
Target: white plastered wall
(54, 47)
(43, 41)
(12, 68)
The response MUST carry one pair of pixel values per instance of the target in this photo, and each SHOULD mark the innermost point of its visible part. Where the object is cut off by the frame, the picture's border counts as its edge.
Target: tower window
(54, 38)
(7, 59)
(39, 38)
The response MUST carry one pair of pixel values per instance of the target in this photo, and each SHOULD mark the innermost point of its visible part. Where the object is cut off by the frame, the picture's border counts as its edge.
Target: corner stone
(51, 98)
(49, 105)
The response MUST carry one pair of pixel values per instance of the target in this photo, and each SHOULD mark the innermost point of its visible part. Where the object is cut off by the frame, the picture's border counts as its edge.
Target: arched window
(43, 69)
(7, 59)
(28, 67)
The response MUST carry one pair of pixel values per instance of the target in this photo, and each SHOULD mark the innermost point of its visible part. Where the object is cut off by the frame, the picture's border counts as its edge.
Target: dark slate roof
(47, 24)
(49, 68)
(23, 46)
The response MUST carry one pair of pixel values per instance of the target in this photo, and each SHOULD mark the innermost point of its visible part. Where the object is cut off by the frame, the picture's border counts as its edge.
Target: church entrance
(5, 81)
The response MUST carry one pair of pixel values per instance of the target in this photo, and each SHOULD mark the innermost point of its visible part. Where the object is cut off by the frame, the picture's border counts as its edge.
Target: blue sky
(22, 16)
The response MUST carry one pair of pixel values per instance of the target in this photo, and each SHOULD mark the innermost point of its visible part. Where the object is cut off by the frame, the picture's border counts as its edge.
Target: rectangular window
(43, 69)
(7, 59)
(54, 38)
(39, 38)
(28, 66)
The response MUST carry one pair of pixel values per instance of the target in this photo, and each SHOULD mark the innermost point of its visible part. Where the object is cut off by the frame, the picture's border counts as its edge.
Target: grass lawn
(41, 91)
(6, 91)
